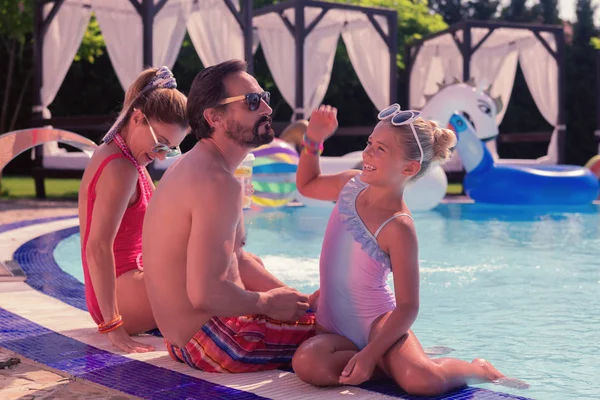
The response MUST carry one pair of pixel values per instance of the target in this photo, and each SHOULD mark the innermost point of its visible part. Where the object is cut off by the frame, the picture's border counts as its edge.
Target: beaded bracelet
(315, 152)
(106, 327)
(312, 147)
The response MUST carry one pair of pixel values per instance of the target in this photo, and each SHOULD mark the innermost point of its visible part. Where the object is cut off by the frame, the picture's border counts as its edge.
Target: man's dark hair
(207, 90)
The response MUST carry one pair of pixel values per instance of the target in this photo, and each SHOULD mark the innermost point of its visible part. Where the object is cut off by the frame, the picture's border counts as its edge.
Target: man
(217, 307)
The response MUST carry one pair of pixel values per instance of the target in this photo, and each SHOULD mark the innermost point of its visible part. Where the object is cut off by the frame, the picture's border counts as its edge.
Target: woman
(114, 194)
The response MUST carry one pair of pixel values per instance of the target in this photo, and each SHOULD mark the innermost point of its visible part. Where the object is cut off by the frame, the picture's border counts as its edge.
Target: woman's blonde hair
(435, 141)
(154, 92)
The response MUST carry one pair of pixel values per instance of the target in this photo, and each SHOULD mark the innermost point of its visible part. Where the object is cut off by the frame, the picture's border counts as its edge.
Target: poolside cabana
(145, 32)
(489, 52)
(299, 39)
(137, 33)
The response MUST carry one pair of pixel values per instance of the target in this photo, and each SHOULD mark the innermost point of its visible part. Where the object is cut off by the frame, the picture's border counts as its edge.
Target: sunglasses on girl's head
(399, 118)
(161, 147)
(252, 99)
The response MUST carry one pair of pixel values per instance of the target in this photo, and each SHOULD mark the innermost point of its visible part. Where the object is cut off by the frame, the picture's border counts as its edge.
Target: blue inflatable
(487, 182)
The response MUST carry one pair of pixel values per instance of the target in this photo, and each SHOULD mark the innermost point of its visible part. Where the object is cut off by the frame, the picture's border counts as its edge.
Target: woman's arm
(114, 189)
(309, 180)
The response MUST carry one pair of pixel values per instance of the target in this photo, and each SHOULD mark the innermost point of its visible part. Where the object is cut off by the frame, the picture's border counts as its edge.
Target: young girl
(362, 325)
(114, 194)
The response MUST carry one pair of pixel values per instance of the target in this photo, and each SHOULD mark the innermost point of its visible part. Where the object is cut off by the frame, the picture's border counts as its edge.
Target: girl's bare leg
(417, 374)
(321, 359)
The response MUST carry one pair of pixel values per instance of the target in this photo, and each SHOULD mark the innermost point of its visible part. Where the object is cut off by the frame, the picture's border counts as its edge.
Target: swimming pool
(517, 286)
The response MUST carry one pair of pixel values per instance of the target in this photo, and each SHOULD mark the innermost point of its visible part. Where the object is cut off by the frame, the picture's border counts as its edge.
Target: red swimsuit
(127, 247)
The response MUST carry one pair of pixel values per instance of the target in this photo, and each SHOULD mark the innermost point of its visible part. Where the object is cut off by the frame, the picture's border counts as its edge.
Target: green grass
(12, 187)
(454, 188)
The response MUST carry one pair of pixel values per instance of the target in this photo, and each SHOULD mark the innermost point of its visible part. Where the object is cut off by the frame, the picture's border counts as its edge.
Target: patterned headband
(163, 79)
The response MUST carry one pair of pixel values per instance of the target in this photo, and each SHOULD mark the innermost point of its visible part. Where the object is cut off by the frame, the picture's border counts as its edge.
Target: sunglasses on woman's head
(252, 99)
(400, 118)
(161, 147)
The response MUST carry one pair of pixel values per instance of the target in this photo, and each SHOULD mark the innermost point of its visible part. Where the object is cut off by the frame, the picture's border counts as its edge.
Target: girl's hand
(121, 340)
(359, 369)
(323, 123)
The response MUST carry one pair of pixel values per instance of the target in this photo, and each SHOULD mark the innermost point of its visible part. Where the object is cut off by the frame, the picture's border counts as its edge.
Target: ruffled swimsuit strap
(354, 224)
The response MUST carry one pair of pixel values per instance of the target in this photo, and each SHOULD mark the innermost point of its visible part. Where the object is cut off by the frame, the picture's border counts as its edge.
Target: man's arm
(211, 252)
(253, 273)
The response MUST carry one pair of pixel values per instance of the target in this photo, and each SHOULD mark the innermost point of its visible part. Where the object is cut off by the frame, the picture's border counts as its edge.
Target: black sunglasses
(252, 99)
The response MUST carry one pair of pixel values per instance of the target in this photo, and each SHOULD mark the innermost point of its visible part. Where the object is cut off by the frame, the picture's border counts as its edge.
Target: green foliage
(92, 46)
(454, 11)
(16, 20)
(483, 9)
(549, 11)
(581, 85)
(517, 11)
(595, 43)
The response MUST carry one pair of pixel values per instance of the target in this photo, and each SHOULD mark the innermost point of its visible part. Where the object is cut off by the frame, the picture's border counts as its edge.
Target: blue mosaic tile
(115, 371)
(22, 224)
(102, 367)
(43, 273)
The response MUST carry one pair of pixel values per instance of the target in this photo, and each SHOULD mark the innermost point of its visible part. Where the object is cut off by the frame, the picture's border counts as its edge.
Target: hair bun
(443, 141)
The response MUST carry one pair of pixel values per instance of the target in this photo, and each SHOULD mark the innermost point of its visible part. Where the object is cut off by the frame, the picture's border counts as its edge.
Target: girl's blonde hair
(435, 141)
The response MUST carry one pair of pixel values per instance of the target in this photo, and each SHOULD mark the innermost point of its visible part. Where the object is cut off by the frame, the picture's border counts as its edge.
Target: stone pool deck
(29, 380)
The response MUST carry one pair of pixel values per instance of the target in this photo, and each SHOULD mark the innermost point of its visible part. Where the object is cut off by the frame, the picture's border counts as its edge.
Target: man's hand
(323, 123)
(313, 300)
(284, 304)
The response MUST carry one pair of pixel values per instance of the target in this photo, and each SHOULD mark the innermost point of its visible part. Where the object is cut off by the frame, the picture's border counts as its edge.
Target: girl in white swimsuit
(363, 325)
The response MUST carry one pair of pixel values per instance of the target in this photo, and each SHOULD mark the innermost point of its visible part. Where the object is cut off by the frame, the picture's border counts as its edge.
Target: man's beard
(251, 138)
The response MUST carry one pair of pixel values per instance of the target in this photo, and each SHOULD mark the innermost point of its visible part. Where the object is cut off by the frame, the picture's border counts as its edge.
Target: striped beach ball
(274, 174)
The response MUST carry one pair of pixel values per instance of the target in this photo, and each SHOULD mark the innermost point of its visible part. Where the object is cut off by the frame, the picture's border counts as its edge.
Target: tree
(517, 11)
(581, 85)
(16, 24)
(482, 9)
(415, 21)
(16, 57)
(549, 11)
(451, 10)
(92, 45)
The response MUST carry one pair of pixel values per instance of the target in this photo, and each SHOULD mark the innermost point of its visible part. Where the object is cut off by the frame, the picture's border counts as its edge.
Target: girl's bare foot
(497, 377)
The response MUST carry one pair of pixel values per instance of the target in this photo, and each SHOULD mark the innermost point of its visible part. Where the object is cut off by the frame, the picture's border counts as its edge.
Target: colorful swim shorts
(244, 344)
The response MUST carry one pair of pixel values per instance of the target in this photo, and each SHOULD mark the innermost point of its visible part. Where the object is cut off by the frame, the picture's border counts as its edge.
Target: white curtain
(61, 43)
(438, 61)
(319, 53)
(169, 31)
(369, 56)
(541, 74)
(278, 45)
(121, 27)
(215, 32)
(502, 86)
(367, 51)
(495, 64)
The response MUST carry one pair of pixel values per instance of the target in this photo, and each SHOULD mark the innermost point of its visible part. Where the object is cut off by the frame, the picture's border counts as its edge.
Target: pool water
(517, 286)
